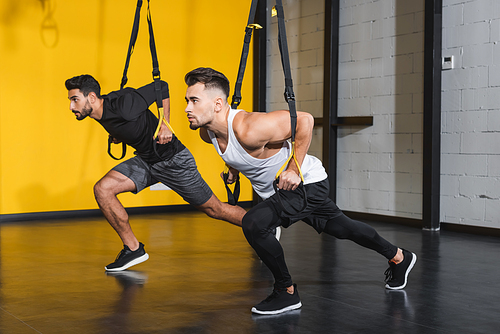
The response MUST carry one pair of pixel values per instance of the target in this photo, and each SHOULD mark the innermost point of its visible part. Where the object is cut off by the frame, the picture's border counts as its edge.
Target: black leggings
(259, 222)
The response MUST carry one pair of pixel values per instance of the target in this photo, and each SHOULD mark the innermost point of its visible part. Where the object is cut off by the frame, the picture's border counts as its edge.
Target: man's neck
(98, 108)
(219, 125)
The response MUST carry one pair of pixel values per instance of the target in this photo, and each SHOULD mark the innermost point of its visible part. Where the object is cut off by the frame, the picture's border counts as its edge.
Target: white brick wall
(470, 180)
(381, 74)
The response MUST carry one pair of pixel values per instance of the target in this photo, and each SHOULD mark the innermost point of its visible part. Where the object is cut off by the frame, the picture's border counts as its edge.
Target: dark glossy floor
(202, 277)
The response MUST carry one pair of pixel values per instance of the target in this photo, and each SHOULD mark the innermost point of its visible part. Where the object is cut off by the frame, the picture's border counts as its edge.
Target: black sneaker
(396, 276)
(278, 302)
(127, 258)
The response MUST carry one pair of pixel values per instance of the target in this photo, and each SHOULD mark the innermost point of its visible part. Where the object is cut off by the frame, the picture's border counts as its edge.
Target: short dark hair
(209, 77)
(85, 83)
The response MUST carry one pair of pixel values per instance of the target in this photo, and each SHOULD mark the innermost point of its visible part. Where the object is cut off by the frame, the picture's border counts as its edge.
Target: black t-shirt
(127, 118)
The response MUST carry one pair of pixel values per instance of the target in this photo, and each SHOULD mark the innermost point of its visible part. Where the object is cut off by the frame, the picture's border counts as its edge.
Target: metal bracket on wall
(354, 120)
(347, 121)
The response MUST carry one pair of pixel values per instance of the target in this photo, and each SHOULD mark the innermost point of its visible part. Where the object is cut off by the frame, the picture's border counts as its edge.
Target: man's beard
(194, 126)
(86, 111)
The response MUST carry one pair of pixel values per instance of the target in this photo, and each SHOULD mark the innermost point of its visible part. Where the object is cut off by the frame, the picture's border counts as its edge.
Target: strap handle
(124, 149)
(232, 197)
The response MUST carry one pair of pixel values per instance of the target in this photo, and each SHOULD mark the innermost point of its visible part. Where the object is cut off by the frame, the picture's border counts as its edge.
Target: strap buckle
(236, 101)
(289, 95)
(254, 26)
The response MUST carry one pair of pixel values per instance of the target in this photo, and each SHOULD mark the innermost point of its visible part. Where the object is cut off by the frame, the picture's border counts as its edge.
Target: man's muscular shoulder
(249, 129)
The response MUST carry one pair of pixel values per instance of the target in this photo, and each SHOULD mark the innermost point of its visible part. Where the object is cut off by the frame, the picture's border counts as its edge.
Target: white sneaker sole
(131, 263)
(410, 267)
(288, 308)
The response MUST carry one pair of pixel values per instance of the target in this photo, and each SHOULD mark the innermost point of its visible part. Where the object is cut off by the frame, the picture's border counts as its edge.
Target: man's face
(79, 104)
(200, 105)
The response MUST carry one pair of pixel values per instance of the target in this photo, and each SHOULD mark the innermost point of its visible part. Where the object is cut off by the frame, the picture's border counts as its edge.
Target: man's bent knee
(113, 184)
(248, 224)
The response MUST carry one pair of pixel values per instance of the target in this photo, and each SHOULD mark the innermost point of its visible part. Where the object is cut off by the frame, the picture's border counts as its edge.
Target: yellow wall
(48, 160)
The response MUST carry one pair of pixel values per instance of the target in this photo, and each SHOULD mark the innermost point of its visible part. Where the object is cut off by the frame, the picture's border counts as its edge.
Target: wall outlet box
(448, 62)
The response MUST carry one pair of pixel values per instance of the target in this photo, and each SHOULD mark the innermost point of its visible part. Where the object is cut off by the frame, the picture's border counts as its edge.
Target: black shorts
(320, 208)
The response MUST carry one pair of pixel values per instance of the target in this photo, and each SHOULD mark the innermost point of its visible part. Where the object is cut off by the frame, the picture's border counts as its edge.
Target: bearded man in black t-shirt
(126, 117)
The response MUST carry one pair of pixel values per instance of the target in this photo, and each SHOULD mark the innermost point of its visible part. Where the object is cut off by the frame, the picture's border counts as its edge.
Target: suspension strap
(290, 99)
(289, 94)
(232, 198)
(131, 45)
(156, 69)
(236, 100)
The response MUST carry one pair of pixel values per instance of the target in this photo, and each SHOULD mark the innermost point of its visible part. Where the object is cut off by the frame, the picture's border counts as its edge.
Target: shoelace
(272, 296)
(122, 252)
(388, 272)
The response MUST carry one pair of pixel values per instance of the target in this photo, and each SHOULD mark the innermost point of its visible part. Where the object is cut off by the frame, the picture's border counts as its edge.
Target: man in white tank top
(255, 144)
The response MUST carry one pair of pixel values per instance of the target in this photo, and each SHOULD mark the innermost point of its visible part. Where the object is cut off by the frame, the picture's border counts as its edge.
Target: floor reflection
(286, 323)
(203, 277)
(131, 282)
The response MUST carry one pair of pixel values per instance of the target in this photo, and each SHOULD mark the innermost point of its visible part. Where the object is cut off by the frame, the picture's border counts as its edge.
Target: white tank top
(261, 172)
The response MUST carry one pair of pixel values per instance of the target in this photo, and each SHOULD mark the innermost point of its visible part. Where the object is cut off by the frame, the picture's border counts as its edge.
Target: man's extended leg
(105, 191)
(214, 208)
(400, 261)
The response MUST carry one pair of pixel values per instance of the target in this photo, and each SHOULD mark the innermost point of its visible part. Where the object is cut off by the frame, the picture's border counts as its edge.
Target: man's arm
(135, 102)
(258, 131)
(303, 137)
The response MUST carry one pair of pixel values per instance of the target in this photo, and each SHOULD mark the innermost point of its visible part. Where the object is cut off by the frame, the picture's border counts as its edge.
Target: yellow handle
(160, 119)
(168, 125)
(292, 154)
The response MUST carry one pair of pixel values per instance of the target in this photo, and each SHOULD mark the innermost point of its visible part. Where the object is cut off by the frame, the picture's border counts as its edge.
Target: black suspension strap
(290, 99)
(131, 45)
(156, 73)
(236, 100)
(157, 82)
(232, 197)
(289, 94)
